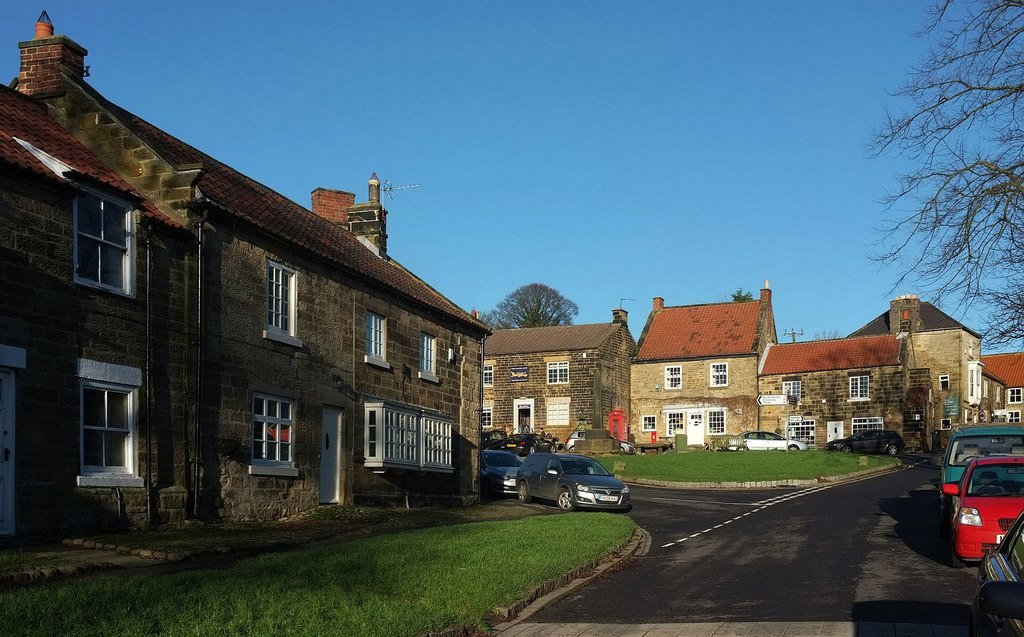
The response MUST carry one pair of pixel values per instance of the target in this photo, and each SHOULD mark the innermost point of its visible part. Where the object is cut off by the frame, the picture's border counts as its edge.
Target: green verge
(741, 466)
(399, 584)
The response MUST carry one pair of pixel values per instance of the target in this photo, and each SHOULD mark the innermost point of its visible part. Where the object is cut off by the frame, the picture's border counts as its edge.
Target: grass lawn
(740, 466)
(390, 585)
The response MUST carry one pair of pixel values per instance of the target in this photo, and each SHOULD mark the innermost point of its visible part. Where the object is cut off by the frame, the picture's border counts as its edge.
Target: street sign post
(772, 399)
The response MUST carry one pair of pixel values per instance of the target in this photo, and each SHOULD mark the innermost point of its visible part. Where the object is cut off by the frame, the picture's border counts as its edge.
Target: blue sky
(611, 150)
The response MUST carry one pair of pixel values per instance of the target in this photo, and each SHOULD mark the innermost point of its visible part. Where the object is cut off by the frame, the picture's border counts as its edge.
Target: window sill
(427, 376)
(284, 471)
(858, 400)
(110, 481)
(287, 339)
(376, 361)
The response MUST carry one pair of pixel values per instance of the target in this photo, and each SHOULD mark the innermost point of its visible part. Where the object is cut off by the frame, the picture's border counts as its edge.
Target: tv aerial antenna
(387, 187)
(793, 333)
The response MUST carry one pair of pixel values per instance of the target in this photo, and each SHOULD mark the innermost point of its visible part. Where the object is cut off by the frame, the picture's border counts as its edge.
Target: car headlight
(582, 487)
(625, 488)
(969, 516)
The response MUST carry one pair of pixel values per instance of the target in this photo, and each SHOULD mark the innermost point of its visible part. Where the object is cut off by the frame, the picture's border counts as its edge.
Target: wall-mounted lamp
(337, 381)
(657, 386)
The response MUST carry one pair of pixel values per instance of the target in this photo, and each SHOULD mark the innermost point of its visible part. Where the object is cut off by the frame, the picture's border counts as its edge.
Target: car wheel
(846, 448)
(954, 560)
(524, 493)
(794, 448)
(565, 500)
(892, 450)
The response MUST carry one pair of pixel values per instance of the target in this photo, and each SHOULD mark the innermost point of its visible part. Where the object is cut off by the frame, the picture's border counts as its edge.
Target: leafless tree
(963, 236)
(533, 305)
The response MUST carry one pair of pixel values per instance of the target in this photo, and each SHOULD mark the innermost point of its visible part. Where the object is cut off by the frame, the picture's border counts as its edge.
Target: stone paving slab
(735, 629)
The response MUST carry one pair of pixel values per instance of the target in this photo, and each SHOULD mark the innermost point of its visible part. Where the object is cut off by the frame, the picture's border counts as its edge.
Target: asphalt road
(864, 551)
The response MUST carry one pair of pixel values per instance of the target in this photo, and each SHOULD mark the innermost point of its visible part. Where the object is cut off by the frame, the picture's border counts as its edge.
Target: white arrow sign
(772, 399)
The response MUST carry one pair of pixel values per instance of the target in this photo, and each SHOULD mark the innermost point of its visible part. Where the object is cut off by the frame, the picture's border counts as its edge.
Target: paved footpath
(732, 629)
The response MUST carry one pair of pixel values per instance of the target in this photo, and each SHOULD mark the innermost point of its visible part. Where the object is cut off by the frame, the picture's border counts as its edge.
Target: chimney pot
(374, 189)
(44, 28)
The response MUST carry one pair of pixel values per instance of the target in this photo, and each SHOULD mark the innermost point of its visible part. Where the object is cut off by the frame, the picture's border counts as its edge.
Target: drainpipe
(148, 231)
(198, 427)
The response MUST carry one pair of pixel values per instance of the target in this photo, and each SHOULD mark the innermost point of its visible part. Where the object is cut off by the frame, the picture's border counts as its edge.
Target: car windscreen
(997, 480)
(966, 448)
(583, 467)
(502, 460)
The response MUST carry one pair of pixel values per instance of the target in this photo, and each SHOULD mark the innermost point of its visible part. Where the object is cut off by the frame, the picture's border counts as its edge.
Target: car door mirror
(951, 488)
(553, 472)
(1005, 599)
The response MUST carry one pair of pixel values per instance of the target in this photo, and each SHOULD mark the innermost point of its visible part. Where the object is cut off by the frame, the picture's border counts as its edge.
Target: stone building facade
(695, 372)
(291, 361)
(558, 378)
(838, 388)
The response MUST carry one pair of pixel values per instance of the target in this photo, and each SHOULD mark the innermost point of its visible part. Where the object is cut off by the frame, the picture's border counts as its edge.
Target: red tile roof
(278, 216)
(1008, 367)
(844, 353)
(559, 338)
(26, 119)
(698, 331)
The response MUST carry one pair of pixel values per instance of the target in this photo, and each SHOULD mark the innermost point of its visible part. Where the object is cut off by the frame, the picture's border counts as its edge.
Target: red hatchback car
(986, 502)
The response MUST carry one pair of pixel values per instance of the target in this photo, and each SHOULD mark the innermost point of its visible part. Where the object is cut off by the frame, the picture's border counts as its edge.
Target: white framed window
(1013, 394)
(281, 295)
(859, 388)
(402, 437)
(719, 374)
(865, 424)
(649, 423)
(108, 417)
(805, 431)
(104, 249)
(716, 422)
(674, 377)
(558, 373)
(428, 357)
(488, 375)
(946, 423)
(558, 412)
(376, 340)
(792, 388)
(1013, 416)
(272, 436)
(944, 381)
(487, 417)
(676, 422)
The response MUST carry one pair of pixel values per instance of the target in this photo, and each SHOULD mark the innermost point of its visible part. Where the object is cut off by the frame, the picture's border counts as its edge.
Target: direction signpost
(772, 399)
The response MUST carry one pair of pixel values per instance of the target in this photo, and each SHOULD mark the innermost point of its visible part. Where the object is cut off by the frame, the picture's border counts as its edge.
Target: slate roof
(277, 216)
(559, 338)
(1008, 367)
(932, 318)
(26, 119)
(844, 353)
(698, 331)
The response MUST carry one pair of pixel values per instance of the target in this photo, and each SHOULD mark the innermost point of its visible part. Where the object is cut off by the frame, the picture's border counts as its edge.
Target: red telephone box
(617, 425)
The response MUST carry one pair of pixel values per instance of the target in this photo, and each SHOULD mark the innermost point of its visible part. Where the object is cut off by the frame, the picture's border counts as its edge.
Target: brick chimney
(46, 58)
(659, 303)
(904, 314)
(766, 292)
(620, 315)
(333, 205)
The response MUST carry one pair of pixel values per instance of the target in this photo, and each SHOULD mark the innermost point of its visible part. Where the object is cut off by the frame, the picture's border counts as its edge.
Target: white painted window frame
(273, 466)
(673, 377)
(559, 371)
(868, 423)
(716, 426)
(376, 334)
(488, 375)
(127, 287)
(719, 378)
(107, 377)
(1014, 395)
(649, 423)
(858, 393)
(561, 407)
(281, 304)
(788, 387)
(428, 358)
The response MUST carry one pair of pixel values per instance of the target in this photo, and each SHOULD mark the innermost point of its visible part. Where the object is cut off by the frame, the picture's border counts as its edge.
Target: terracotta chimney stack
(659, 303)
(766, 292)
(46, 59)
(333, 205)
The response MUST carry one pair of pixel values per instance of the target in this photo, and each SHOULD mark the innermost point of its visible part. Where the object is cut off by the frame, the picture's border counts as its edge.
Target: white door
(695, 432)
(522, 416)
(835, 430)
(330, 456)
(6, 452)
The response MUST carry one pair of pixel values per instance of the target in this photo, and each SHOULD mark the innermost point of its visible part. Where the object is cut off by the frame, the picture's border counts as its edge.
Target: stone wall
(58, 322)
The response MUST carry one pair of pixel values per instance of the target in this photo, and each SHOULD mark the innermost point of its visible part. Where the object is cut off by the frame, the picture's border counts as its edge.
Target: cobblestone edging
(594, 567)
(47, 573)
(763, 484)
(150, 554)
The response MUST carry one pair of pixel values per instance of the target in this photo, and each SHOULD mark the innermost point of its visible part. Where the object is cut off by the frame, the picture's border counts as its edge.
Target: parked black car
(998, 607)
(871, 441)
(494, 435)
(499, 471)
(522, 444)
(571, 482)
